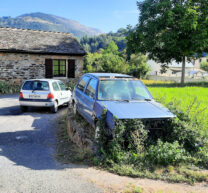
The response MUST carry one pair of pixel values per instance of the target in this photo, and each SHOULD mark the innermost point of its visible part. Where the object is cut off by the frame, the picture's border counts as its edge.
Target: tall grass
(191, 99)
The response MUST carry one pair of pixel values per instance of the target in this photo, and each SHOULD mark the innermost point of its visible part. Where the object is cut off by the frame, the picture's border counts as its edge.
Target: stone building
(174, 68)
(26, 54)
(198, 62)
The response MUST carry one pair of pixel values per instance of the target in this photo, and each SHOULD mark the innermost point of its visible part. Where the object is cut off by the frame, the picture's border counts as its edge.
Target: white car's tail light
(50, 96)
(21, 95)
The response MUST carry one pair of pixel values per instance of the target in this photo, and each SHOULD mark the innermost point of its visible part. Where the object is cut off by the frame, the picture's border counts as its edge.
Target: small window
(200, 60)
(59, 68)
(91, 88)
(83, 83)
(62, 86)
(55, 86)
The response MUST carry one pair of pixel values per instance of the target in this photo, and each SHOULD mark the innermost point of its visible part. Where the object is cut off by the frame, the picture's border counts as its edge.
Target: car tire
(54, 108)
(74, 108)
(23, 108)
(97, 130)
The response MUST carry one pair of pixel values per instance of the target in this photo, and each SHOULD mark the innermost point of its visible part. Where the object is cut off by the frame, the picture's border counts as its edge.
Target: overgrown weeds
(134, 152)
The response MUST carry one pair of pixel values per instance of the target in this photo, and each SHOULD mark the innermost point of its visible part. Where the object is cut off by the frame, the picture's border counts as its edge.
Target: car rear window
(36, 85)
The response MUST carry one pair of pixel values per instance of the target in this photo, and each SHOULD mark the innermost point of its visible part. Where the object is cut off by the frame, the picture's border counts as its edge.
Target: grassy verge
(66, 150)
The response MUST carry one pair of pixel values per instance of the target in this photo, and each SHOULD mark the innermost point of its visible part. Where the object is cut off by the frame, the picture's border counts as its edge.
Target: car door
(56, 91)
(79, 92)
(89, 100)
(64, 93)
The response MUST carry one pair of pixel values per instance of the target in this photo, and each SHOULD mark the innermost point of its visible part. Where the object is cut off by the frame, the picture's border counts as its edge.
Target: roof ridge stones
(38, 41)
(24, 29)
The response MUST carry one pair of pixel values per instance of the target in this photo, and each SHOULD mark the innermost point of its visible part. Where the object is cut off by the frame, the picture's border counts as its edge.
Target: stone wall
(80, 132)
(15, 67)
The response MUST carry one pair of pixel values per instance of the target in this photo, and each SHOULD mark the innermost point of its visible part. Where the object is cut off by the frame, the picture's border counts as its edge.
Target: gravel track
(27, 161)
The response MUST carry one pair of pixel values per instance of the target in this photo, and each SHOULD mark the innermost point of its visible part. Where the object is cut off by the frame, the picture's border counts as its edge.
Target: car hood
(137, 109)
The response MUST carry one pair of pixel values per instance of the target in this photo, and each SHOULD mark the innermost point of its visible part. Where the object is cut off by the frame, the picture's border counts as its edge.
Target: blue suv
(124, 97)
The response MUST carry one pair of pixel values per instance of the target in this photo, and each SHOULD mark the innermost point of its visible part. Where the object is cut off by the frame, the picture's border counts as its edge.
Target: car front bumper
(36, 102)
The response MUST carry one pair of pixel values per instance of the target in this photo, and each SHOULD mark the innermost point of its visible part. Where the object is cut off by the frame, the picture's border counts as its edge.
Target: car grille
(155, 123)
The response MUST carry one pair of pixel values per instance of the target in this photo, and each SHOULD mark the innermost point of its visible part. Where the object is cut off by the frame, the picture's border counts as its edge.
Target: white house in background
(198, 62)
(173, 70)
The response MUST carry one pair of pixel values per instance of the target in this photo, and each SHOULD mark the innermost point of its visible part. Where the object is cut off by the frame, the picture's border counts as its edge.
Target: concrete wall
(15, 67)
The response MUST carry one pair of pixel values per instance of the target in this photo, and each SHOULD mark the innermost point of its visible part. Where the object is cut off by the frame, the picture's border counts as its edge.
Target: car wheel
(23, 108)
(67, 104)
(74, 108)
(97, 130)
(54, 108)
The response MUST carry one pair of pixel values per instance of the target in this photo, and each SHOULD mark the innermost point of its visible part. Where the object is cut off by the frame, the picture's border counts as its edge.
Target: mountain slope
(47, 22)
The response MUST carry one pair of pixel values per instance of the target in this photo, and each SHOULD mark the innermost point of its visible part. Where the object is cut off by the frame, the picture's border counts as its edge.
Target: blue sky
(107, 15)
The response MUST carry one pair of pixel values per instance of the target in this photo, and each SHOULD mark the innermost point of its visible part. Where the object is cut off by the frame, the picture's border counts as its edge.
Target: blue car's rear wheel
(74, 108)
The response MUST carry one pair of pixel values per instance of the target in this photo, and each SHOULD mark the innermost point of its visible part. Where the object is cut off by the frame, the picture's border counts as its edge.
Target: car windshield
(36, 85)
(120, 90)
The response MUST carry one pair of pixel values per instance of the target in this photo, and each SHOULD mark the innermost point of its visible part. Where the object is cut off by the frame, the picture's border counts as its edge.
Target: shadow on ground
(32, 147)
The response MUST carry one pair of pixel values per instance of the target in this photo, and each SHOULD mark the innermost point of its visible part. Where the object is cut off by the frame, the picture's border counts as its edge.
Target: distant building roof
(31, 41)
(174, 64)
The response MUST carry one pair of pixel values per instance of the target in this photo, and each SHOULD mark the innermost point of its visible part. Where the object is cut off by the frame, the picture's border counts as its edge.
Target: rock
(80, 134)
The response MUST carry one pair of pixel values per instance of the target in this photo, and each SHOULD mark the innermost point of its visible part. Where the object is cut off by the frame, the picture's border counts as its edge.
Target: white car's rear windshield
(36, 85)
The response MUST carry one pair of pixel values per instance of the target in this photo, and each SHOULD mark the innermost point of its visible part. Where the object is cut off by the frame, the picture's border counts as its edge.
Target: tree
(138, 66)
(107, 60)
(171, 30)
(102, 41)
(112, 48)
(204, 66)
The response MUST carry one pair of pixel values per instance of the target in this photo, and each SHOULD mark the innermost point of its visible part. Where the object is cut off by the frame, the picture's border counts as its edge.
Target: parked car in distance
(123, 96)
(44, 93)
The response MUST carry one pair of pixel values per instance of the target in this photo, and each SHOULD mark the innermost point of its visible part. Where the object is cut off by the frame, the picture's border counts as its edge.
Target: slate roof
(31, 41)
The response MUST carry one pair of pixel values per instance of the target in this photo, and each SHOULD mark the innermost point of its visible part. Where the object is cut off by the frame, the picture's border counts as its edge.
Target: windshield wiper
(141, 99)
(34, 89)
(125, 100)
(148, 99)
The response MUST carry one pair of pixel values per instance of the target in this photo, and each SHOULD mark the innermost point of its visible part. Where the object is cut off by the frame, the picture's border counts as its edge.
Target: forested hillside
(93, 44)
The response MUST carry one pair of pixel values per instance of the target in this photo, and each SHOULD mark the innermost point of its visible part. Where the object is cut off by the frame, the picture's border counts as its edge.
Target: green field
(192, 100)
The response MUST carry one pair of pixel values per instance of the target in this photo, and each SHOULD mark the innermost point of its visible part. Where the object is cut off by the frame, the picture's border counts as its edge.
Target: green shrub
(126, 142)
(165, 153)
(7, 88)
(131, 144)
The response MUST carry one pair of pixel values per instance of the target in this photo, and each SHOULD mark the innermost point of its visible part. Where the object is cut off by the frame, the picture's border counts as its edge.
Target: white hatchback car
(44, 93)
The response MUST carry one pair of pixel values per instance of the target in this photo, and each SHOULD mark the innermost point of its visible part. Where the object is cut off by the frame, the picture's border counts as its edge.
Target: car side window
(55, 86)
(82, 83)
(91, 88)
(62, 86)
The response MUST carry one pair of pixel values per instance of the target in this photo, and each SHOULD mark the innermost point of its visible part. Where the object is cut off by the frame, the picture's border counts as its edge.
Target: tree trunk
(183, 70)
